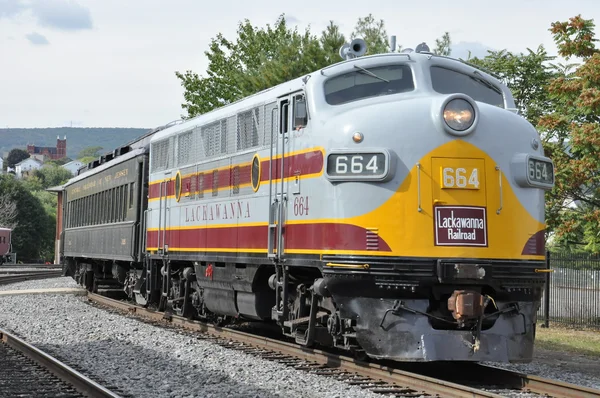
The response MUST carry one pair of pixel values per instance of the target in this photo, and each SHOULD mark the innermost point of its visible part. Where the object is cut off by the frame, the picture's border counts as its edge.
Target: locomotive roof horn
(356, 48)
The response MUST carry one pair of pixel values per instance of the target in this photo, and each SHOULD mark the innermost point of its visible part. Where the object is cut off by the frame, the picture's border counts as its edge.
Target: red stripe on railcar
(319, 236)
(300, 164)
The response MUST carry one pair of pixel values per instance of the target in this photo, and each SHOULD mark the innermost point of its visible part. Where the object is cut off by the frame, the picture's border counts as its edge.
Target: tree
(261, 58)
(573, 131)
(8, 212)
(15, 156)
(35, 228)
(442, 45)
(527, 75)
(331, 42)
(58, 162)
(258, 59)
(373, 33)
(51, 176)
(90, 151)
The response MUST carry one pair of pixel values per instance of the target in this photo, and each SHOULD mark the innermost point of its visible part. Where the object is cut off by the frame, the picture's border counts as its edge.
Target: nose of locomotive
(456, 114)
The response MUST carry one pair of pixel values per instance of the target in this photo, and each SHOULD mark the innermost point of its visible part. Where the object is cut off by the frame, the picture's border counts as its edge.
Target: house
(24, 167)
(73, 166)
(40, 157)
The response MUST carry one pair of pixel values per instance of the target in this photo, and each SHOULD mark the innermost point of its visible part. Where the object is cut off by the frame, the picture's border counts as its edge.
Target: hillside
(78, 138)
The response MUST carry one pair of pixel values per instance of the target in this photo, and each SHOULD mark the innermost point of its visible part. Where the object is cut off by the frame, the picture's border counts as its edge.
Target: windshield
(368, 82)
(447, 81)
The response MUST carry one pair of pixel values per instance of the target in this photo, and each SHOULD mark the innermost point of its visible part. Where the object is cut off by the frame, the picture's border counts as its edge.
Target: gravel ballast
(145, 360)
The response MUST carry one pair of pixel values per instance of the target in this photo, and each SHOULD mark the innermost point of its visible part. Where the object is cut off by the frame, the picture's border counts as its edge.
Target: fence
(572, 295)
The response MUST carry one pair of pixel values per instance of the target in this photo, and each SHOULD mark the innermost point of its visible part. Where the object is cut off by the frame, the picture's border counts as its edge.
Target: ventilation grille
(372, 238)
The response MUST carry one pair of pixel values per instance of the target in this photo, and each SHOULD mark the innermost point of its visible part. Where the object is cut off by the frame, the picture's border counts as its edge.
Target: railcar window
(360, 84)
(131, 193)
(447, 81)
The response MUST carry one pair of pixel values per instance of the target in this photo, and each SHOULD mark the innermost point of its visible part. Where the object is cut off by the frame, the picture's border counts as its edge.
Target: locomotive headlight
(459, 114)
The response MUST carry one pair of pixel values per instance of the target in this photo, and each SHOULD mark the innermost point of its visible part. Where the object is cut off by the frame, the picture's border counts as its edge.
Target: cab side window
(300, 112)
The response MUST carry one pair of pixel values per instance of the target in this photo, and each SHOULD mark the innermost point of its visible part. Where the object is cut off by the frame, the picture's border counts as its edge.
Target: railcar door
(277, 184)
(162, 216)
(290, 112)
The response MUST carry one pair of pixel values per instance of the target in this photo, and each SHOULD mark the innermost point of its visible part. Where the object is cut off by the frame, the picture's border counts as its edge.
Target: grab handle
(419, 209)
(500, 184)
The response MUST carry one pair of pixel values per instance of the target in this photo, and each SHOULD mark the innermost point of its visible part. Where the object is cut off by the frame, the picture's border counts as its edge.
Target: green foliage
(258, 59)
(91, 151)
(373, 33)
(33, 236)
(563, 102)
(58, 162)
(442, 45)
(573, 128)
(87, 159)
(527, 75)
(261, 58)
(51, 176)
(15, 156)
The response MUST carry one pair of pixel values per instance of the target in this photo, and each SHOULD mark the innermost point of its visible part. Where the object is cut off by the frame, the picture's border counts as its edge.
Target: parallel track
(19, 375)
(27, 275)
(384, 379)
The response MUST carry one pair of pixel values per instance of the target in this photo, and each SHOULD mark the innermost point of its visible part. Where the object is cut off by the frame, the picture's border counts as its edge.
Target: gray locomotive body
(389, 204)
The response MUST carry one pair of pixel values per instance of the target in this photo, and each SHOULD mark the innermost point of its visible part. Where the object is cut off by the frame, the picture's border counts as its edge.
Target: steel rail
(82, 383)
(421, 383)
(21, 277)
(536, 384)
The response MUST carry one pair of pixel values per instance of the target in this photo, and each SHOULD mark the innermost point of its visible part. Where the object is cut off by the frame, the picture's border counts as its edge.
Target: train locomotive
(391, 205)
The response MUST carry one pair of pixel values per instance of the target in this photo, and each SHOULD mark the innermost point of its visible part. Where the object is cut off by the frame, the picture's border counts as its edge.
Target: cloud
(57, 14)
(10, 8)
(62, 14)
(37, 39)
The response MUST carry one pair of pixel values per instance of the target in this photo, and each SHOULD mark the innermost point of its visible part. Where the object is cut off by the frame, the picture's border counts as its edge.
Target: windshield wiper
(371, 73)
(483, 81)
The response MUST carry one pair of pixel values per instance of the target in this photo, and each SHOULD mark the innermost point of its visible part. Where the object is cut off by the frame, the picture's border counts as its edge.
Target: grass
(558, 338)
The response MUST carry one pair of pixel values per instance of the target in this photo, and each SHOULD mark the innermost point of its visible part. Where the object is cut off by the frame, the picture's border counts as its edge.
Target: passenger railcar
(391, 205)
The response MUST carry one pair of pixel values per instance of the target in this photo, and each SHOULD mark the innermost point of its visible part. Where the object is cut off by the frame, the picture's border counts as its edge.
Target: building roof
(41, 149)
(25, 160)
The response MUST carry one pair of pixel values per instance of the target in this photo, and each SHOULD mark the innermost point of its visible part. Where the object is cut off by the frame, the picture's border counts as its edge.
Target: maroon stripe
(299, 164)
(536, 244)
(325, 236)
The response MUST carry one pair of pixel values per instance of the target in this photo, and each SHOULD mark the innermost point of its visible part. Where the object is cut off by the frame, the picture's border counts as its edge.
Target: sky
(112, 63)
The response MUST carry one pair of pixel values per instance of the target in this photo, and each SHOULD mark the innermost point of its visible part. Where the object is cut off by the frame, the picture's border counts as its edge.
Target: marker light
(459, 114)
(357, 137)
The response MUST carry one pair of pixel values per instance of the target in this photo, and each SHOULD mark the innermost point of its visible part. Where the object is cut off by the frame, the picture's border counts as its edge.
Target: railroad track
(30, 372)
(376, 376)
(40, 266)
(21, 276)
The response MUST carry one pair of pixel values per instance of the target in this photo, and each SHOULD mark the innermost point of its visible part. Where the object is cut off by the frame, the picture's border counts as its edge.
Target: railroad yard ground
(563, 354)
(569, 349)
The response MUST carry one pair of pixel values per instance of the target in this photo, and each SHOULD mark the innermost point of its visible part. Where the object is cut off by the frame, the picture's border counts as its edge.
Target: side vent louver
(372, 238)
